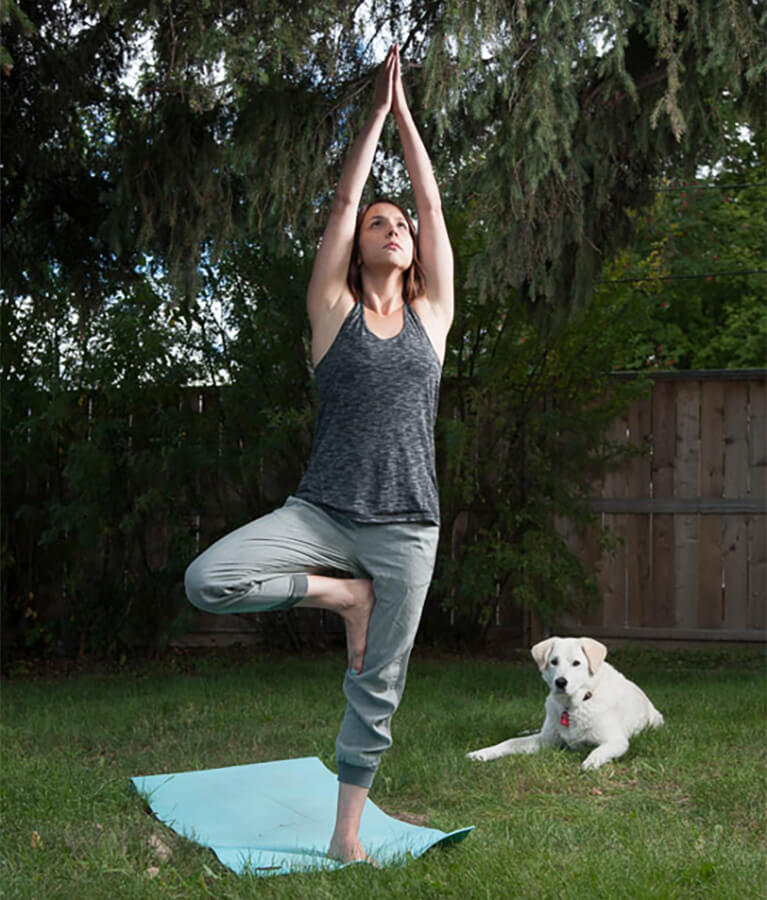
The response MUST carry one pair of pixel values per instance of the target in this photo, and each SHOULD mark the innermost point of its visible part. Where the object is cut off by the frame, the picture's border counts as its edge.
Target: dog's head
(567, 664)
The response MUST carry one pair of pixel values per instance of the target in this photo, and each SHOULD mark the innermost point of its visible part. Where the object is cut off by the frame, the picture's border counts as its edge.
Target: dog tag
(564, 719)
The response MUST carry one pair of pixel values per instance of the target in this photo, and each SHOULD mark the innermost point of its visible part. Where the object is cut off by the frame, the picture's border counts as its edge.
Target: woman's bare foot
(345, 844)
(346, 851)
(349, 851)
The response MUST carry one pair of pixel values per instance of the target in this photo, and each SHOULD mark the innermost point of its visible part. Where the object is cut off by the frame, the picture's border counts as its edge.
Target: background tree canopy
(167, 167)
(170, 128)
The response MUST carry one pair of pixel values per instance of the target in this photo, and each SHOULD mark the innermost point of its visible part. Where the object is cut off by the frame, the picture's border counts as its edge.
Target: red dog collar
(564, 719)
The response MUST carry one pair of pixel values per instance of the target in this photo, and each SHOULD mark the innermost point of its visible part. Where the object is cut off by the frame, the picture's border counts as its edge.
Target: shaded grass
(681, 815)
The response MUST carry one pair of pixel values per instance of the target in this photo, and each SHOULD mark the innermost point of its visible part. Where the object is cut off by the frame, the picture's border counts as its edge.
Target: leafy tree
(522, 430)
(167, 168)
(554, 116)
(95, 520)
(696, 270)
(111, 474)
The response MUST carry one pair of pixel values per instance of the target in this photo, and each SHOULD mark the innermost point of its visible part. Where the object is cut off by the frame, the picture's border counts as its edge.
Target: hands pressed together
(389, 93)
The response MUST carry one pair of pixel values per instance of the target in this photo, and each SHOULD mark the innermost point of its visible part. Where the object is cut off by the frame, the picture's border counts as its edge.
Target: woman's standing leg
(400, 558)
(269, 564)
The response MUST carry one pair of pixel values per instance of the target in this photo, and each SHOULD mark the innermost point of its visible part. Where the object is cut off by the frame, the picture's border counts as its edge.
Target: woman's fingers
(384, 87)
(399, 101)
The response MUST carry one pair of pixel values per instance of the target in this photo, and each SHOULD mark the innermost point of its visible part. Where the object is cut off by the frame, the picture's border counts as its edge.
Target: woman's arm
(434, 244)
(328, 282)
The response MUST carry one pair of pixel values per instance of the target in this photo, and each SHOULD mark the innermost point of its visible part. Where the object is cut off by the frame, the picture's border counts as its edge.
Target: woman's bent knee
(216, 589)
(195, 582)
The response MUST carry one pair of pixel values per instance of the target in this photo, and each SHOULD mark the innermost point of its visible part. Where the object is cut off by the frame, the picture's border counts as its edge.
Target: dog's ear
(542, 651)
(594, 652)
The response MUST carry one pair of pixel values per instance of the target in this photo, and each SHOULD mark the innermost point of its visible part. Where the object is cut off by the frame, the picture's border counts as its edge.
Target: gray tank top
(373, 454)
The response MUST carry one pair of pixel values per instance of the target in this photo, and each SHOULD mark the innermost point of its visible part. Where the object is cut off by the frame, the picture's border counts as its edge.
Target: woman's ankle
(336, 594)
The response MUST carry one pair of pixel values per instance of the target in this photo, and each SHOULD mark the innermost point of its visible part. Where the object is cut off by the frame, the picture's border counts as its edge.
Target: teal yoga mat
(276, 817)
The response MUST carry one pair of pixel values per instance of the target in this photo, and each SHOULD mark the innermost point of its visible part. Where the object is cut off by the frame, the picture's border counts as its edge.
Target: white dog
(589, 702)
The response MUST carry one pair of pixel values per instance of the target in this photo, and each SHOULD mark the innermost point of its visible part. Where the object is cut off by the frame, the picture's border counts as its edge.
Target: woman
(380, 303)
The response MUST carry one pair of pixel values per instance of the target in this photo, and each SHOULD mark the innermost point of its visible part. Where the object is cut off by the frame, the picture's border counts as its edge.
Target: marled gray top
(373, 453)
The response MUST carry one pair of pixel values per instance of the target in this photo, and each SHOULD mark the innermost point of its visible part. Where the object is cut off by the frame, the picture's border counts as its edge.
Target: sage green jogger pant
(264, 565)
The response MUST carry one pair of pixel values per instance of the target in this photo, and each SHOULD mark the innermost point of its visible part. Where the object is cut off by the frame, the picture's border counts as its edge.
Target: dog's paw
(593, 761)
(612, 749)
(478, 756)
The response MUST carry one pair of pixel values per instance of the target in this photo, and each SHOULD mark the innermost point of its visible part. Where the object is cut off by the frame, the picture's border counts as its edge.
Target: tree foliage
(167, 169)
(522, 433)
(695, 271)
(554, 116)
(119, 445)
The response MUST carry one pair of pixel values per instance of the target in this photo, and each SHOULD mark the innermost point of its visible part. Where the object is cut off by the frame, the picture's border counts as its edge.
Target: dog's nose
(561, 683)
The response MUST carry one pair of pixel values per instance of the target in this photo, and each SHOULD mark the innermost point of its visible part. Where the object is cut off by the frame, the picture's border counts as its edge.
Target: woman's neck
(382, 292)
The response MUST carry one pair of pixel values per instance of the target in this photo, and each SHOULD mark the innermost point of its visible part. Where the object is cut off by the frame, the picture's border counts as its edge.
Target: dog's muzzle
(560, 683)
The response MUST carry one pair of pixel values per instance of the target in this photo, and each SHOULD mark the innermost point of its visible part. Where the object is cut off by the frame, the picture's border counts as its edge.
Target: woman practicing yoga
(380, 303)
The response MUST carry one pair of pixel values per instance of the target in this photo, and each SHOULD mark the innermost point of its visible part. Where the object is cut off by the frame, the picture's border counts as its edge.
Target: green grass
(681, 815)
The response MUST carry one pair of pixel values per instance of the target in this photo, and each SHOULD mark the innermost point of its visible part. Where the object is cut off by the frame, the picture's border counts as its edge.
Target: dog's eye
(554, 662)
(576, 662)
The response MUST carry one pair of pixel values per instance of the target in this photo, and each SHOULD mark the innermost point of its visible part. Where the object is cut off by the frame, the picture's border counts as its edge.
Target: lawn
(681, 815)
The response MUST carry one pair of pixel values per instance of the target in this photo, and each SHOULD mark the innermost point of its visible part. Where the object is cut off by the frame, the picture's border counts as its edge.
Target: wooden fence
(689, 513)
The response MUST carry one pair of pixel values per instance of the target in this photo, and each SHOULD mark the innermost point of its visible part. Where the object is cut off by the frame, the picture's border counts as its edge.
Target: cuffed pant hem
(300, 585)
(356, 775)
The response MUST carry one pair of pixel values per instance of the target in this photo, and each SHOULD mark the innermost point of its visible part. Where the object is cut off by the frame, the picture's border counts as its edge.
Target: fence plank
(735, 570)
(686, 485)
(638, 527)
(757, 435)
(664, 413)
(612, 578)
(712, 425)
(757, 582)
(757, 526)
(640, 578)
(735, 485)
(660, 611)
(710, 484)
(587, 543)
(735, 438)
(710, 606)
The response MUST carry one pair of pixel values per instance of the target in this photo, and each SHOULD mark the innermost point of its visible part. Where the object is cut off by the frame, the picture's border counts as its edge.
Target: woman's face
(385, 238)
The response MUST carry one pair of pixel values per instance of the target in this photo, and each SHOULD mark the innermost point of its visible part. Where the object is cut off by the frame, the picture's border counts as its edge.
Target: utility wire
(712, 187)
(680, 277)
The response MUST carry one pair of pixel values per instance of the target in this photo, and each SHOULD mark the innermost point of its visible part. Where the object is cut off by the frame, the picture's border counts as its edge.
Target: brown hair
(414, 280)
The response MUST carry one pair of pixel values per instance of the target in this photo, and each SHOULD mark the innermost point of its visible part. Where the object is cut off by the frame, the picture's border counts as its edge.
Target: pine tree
(547, 119)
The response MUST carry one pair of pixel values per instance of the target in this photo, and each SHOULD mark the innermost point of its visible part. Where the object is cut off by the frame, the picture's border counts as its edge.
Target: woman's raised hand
(383, 93)
(389, 93)
(399, 100)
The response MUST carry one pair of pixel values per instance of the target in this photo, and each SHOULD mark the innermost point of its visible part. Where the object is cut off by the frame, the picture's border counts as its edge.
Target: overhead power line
(707, 275)
(712, 187)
